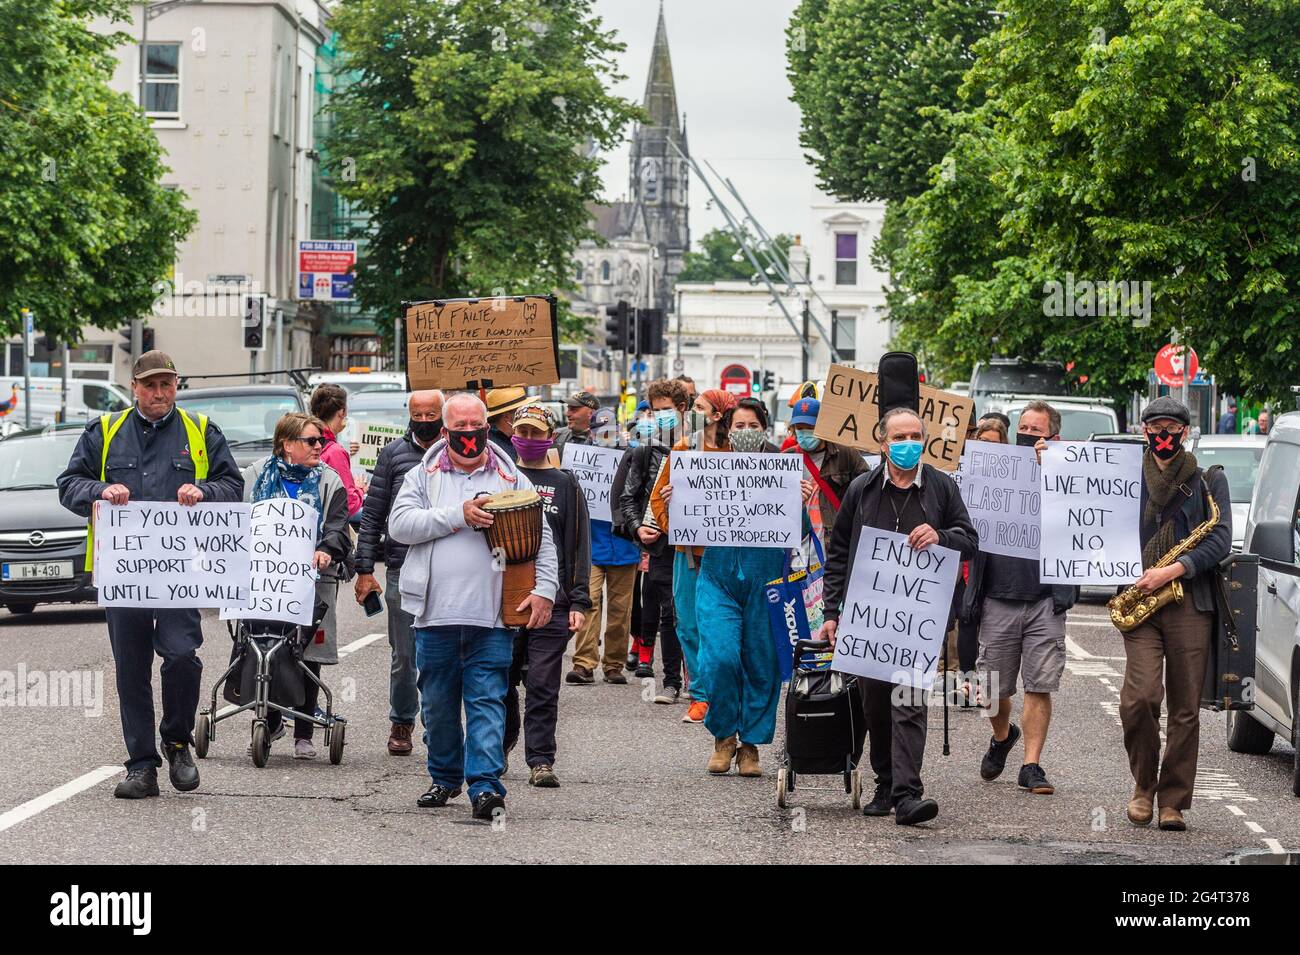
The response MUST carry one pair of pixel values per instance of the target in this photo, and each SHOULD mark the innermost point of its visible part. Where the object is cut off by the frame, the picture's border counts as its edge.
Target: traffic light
(618, 328)
(255, 322)
(650, 331)
(125, 344)
(147, 339)
(769, 381)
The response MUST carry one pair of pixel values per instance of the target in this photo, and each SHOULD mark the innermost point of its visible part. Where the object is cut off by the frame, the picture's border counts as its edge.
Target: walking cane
(946, 751)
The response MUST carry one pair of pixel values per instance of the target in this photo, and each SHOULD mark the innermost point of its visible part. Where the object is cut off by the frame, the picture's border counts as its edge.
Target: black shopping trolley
(825, 724)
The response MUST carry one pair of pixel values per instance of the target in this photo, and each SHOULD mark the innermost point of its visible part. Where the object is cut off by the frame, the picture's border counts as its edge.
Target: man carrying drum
(451, 584)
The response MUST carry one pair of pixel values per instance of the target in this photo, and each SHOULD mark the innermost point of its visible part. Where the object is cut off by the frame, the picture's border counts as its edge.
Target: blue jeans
(469, 666)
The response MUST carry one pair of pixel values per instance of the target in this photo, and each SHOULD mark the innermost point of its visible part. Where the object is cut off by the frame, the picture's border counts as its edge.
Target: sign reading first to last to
(482, 342)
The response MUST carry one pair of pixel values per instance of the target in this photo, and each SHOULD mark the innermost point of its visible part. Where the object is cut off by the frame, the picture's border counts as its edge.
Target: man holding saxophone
(1167, 652)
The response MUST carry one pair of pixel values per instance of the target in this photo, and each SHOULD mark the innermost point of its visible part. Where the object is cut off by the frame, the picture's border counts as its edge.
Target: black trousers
(136, 634)
(657, 605)
(538, 660)
(897, 737)
(634, 625)
(302, 729)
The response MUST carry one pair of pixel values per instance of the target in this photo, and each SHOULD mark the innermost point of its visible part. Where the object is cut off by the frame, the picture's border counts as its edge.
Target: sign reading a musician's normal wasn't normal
(896, 606)
(735, 500)
(1092, 499)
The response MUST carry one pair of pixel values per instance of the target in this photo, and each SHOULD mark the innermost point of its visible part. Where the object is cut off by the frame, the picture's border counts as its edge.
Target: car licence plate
(45, 570)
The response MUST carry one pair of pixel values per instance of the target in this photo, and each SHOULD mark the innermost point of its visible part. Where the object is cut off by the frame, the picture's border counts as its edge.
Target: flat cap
(1167, 406)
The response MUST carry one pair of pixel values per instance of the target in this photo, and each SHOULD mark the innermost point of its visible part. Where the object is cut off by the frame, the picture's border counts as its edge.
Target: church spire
(660, 91)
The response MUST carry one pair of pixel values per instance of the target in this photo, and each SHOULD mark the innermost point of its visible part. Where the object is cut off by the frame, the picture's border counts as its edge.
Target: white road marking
(360, 642)
(1075, 650)
(55, 796)
(1236, 811)
(1275, 847)
(1255, 827)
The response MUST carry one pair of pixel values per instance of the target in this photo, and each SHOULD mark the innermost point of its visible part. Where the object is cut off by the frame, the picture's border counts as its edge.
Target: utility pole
(29, 327)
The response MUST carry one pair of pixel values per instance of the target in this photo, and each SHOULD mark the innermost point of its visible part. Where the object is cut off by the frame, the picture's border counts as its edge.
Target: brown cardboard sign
(481, 342)
(849, 414)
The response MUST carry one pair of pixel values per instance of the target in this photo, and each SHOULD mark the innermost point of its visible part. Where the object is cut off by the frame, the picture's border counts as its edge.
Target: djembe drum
(517, 532)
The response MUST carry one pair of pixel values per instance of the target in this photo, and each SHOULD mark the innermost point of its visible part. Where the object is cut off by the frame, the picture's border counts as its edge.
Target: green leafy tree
(721, 259)
(86, 228)
(470, 138)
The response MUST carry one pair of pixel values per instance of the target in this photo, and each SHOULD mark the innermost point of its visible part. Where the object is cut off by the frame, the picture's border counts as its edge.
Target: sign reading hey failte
(482, 342)
(1092, 499)
(594, 468)
(734, 500)
(896, 606)
(283, 582)
(1001, 487)
(171, 555)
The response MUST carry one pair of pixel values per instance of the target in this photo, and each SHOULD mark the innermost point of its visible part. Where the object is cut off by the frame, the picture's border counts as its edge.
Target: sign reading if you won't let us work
(734, 499)
(1092, 501)
(896, 607)
(484, 342)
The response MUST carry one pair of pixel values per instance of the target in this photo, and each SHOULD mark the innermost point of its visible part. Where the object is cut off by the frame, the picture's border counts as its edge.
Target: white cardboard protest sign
(372, 441)
(895, 615)
(1092, 499)
(594, 468)
(283, 582)
(734, 499)
(1002, 490)
(151, 554)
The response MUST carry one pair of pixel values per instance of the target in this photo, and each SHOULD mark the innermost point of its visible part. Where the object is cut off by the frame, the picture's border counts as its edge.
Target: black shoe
(486, 803)
(632, 660)
(644, 670)
(882, 804)
(437, 797)
(995, 760)
(180, 767)
(139, 783)
(1034, 779)
(913, 811)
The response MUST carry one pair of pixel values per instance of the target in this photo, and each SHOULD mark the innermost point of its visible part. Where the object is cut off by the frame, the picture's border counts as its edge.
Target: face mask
(425, 431)
(1026, 440)
(468, 444)
(697, 419)
(905, 454)
(531, 449)
(1165, 444)
(807, 440)
(665, 420)
(748, 440)
(644, 427)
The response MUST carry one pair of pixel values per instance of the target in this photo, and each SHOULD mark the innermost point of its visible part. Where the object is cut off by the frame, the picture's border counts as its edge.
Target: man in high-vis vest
(153, 452)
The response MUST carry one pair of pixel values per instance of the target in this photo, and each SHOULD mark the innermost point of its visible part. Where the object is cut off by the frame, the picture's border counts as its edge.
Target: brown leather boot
(399, 739)
(1139, 809)
(1172, 820)
(724, 751)
(747, 760)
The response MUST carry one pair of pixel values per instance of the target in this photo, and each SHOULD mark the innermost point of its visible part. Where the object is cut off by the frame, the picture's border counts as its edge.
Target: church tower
(659, 176)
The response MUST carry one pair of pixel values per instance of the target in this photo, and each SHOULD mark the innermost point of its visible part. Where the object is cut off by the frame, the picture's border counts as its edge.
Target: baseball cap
(583, 399)
(805, 411)
(153, 363)
(537, 415)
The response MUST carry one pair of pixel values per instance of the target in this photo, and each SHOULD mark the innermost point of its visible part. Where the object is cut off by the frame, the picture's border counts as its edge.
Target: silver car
(1239, 454)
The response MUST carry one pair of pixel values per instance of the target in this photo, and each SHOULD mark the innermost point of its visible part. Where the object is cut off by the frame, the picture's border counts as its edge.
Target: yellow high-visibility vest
(195, 435)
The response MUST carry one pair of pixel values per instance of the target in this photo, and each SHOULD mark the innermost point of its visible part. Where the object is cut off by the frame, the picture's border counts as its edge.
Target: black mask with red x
(468, 444)
(1164, 444)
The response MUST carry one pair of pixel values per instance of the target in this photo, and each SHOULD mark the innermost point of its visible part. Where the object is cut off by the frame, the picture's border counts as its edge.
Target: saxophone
(1132, 607)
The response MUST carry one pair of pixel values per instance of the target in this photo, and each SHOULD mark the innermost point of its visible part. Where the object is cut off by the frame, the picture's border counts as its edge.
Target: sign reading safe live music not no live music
(482, 342)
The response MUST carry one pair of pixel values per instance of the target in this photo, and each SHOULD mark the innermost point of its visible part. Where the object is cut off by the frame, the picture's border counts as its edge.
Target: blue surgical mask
(905, 454)
(666, 419)
(807, 440)
(645, 427)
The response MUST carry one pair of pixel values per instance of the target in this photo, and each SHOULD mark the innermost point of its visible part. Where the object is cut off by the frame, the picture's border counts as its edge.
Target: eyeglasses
(315, 442)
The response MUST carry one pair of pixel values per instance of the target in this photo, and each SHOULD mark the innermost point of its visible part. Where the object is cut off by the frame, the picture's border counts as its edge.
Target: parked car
(1013, 376)
(1081, 418)
(42, 544)
(1273, 533)
(246, 414)
(87, 397)
(375, 407)
(1239, 454)
(356, 381)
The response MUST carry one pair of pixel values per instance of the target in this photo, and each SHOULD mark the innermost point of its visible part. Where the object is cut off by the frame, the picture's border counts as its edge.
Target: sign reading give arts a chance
(735, 500)
(1092, 499)
(895, 615)
(594, 468)
(484, 342)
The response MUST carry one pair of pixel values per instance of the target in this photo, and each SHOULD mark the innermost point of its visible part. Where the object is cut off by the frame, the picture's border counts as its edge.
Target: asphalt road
(633, 788)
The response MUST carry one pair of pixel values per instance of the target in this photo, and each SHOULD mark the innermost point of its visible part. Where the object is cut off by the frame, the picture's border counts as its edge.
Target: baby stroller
(268, 674)
(825, 725)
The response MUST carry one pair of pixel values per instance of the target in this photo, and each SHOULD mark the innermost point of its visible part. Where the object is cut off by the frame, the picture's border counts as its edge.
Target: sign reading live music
(849, 414)
(482, 342)
(1091, 509)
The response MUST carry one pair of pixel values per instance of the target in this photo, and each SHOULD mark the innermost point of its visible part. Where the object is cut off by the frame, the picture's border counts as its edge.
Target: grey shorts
(1021, 637)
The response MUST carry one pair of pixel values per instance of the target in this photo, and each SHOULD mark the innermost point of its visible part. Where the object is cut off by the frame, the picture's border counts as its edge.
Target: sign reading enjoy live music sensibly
(1092, 499)
(1001, 487)
(283, 581)
(171, 555)
(896, 606)
(594, 468)
(849, 414)
(735, 500)
(482, 342)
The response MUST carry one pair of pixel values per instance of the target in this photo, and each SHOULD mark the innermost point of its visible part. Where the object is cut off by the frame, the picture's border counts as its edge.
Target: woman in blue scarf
(295, 470)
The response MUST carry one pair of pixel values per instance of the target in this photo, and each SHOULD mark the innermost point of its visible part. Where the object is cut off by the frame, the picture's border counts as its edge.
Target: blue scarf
(270, 483)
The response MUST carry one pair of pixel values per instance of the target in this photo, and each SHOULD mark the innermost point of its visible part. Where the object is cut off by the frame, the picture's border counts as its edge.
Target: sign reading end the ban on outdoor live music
(849, 414)
(481, 342)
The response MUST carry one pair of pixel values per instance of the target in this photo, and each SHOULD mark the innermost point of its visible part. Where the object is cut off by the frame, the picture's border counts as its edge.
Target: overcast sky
(729, 65)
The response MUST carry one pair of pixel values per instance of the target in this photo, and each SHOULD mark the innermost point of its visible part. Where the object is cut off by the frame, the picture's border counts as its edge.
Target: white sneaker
(303, 749)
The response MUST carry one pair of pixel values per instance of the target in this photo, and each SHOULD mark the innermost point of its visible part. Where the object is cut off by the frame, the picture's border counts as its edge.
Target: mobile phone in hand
(372, 604)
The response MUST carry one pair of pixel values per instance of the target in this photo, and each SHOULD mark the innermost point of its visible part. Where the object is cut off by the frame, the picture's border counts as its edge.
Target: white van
(87, 397)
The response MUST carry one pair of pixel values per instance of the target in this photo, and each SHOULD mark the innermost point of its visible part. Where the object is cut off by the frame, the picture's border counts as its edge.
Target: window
(162, 81)
(604, 271)
(99, 398)
(578, 271)
(844, 334)
(846, 258)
